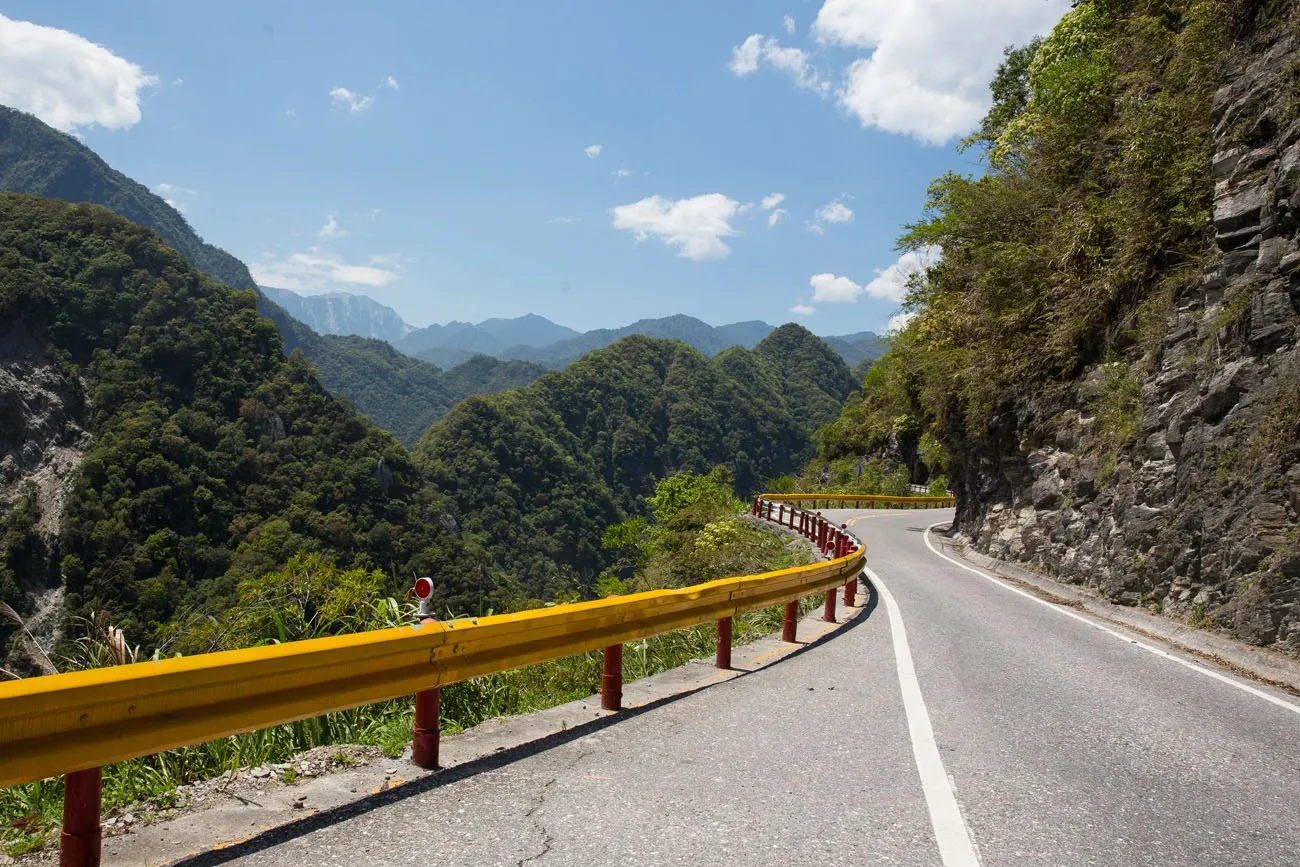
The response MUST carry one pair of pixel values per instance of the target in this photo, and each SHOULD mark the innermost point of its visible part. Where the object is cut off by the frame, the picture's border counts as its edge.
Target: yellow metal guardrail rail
(75, 723)
(859, 501)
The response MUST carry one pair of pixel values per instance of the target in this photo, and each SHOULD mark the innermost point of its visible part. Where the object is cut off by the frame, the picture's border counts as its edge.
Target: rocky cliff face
(1194, 511)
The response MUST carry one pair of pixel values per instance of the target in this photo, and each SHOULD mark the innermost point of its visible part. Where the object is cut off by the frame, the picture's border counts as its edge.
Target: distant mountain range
(530, 337)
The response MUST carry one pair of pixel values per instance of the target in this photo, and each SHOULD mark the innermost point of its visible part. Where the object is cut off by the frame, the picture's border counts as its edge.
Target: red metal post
(828, 611)
(79, 842)
(723, 657)
(754, 508)
(850, 592)
(791, 622)
(780, 514)
(424, 742)
(611, 682)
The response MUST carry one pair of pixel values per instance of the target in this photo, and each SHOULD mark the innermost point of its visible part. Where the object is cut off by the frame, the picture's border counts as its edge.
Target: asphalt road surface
(960, 723)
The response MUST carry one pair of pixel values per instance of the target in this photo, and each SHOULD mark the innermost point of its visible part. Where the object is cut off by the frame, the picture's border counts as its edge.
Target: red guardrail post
(424, 741)
(754, 508)
(611, 682)
(790, 625)
(850, 590)
(828, 610)
(79, 842)
(722, 659)
(780, 514)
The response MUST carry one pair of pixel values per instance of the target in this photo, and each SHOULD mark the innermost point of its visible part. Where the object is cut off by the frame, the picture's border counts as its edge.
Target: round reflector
(423, 588)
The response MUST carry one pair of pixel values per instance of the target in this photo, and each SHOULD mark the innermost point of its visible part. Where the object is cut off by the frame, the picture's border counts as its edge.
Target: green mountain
(537, 474)
(206, 456)
(397, 392)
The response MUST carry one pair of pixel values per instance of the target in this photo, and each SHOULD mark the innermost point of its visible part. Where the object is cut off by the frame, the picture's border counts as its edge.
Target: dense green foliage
(214, 458)
(537, 475)
(397, 392)
(1095, 206)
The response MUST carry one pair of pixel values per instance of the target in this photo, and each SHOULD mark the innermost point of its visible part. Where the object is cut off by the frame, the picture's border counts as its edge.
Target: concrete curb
(1257, 663)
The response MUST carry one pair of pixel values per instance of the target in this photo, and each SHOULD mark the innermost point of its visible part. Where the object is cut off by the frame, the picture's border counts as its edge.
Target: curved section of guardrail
(82, 720)
(860, 501)
(75, 723)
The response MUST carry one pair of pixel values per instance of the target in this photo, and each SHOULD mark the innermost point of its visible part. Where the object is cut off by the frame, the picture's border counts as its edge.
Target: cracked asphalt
(1064, 746)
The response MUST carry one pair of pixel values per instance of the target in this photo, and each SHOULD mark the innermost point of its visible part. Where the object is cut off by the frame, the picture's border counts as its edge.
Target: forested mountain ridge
(538, 473)
(397, 392)
(1109, 346)
(206, 457)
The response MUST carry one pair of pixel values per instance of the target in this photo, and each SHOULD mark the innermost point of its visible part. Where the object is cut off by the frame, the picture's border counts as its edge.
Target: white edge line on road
(1208, 672)
(955, 847)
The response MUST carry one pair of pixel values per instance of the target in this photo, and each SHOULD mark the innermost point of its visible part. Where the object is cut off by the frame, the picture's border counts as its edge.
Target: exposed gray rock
(1199, 515)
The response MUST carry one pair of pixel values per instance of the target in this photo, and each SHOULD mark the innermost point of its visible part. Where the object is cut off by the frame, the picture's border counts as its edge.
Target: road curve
(997, 732)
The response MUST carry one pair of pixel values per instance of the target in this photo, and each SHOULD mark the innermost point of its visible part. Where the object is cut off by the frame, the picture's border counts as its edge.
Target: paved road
(1011, 734)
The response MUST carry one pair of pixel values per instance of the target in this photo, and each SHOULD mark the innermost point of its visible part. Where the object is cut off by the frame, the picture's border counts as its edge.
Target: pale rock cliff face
(1197, 514)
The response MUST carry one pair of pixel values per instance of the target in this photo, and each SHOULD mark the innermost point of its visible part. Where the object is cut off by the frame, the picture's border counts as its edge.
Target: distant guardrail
(75, 723)
(861, 501)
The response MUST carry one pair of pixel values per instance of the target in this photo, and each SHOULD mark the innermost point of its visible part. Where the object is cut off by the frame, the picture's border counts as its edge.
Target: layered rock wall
(1195, 512)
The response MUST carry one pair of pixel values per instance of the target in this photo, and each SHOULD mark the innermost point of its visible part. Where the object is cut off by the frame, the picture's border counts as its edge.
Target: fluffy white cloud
(331, 229)
(771, 201)
(315, 270)
(898, 322)
(391, 83)
(66, 80)
(593, 151)
(803, 310)
(829, 288)
(789, 24)
(930, 61)
(758, 49)
(355, 103)
(835, 212)
(621, 173)
(694, 226)
(175, 195)
(891, 283)
(776, 215)
(814, 229)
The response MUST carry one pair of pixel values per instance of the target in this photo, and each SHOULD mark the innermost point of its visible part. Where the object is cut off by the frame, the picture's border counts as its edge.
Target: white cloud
(355, 103)
(315, 270)
(758, 49)
(829, 288)
(814, 229)
(898, 322)
(891, 283)
(788, 23)
(175, 195)
(803, 310)
(66, 80)
(391, 83)
(771, 201)
(563, 221)
(835, 212)
(776, 216)
(331, 229)
(621, 173)
(177, 82)
(930, 61)
(593, 151)
(695, 226)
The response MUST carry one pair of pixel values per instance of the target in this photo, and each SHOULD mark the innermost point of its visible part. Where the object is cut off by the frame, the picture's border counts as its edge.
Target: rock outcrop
(1194, 511)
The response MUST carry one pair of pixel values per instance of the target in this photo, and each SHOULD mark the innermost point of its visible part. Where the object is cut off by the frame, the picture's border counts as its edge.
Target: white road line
(1258, 693)
(955, 847)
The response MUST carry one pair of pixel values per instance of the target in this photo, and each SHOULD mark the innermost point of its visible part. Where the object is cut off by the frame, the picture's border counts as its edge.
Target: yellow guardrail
(857, 501)
(73, 722)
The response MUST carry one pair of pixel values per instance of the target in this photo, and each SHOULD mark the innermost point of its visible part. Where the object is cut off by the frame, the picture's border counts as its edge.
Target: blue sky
(438, 157)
